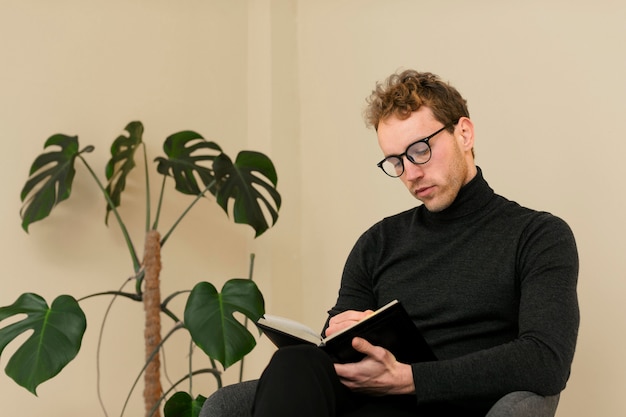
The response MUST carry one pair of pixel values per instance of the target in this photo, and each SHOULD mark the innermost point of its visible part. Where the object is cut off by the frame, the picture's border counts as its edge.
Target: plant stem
(132, 296)
(160, 204)
(245, 322)
(178, 326)
(214, 372)
(129, 243)
(139, 280)
(169, 298)
(138, 297)
(172, 295)
(99, 348)
(147, 177)
(198, 197)
(169, 313)
(191, 367)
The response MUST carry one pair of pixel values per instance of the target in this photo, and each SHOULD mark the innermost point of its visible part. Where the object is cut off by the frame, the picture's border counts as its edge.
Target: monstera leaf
(186, 152)
(57, 333)
(182, 405)
(121, 163)
(246, 183)
(210, 321)
(50, 179)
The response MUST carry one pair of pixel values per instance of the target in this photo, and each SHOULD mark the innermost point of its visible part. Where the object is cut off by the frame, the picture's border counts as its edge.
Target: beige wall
(544, 81)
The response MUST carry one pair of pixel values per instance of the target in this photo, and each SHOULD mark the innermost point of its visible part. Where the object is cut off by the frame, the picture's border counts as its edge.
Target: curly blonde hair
(403, 93)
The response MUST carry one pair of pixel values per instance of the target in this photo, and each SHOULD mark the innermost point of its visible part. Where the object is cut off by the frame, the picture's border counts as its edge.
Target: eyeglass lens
(418, 153)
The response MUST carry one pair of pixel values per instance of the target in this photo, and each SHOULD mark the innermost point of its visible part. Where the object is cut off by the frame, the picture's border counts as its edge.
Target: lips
(424, 191)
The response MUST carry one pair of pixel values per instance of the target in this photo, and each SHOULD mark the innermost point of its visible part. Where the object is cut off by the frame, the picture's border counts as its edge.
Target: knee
(301, 359)
(298, 354)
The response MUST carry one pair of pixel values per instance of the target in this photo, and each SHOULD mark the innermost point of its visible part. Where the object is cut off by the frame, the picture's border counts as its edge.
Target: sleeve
(539, 359)
(356, 290)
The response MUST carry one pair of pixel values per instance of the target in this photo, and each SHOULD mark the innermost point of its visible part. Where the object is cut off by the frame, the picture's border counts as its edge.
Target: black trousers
(300, 381)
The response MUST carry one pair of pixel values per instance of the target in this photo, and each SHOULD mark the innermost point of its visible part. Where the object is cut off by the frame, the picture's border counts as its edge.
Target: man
(490, 284)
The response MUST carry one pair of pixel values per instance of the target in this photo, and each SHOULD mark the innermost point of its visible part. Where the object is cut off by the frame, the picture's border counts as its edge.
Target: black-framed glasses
(418, 153)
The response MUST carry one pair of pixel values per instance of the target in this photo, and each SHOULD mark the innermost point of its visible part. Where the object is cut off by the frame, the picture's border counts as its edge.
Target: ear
(465, 133)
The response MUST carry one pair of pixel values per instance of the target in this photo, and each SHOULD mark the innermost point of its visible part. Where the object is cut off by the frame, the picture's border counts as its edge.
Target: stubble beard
(446, 193)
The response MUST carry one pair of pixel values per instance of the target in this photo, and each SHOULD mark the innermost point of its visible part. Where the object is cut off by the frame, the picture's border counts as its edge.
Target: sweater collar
(472, 197)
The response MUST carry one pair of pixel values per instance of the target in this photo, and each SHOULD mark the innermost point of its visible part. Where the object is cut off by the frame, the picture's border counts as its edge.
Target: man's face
(437, 182)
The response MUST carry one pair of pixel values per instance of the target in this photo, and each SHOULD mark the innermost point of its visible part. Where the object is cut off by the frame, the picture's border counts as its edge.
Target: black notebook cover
(389, 327)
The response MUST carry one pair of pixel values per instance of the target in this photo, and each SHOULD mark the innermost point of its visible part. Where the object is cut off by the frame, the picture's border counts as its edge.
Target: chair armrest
(236, 401)
(231, 401)
(524, 404)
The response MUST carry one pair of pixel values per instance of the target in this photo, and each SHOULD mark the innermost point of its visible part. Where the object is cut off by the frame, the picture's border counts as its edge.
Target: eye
(418, 151)
(393, 166)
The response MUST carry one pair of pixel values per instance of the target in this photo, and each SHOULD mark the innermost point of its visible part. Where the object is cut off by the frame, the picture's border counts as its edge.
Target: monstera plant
(244, 189)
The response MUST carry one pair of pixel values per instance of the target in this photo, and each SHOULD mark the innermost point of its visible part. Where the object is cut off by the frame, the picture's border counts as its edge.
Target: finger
(335, 327)
(377, 353)
(349, 315)
(343, 320)
(362, 345)
(340, 369)
(346, 319)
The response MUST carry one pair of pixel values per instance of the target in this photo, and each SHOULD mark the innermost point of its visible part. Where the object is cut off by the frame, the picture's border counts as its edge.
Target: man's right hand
(345, 319)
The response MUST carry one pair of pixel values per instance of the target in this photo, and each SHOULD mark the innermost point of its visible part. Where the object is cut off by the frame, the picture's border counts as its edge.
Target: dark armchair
(236, 401)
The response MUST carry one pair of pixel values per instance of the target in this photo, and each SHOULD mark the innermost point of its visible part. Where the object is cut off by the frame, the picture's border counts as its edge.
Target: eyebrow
(427, 137)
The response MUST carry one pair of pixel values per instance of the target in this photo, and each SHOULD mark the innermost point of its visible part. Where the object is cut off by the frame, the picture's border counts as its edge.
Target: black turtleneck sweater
(491, 285)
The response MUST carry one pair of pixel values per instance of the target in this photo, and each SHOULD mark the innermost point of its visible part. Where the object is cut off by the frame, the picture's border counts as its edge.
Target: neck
(473, 196)
(472, 170)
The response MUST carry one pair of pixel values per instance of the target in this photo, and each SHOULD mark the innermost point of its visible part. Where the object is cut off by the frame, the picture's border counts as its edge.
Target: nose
(412, 171)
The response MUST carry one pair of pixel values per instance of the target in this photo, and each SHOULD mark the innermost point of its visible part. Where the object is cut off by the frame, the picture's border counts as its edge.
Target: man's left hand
(379, 373)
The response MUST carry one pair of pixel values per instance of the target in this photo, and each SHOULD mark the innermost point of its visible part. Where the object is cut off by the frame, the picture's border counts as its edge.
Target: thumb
(362, 345)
